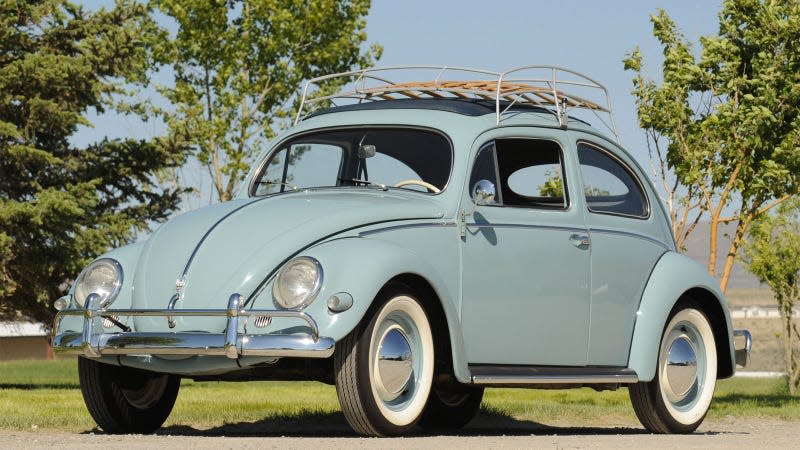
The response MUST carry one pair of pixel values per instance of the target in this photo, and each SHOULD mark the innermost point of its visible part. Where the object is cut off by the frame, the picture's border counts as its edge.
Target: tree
(61, 205)
(772, 252)
(238, 64)
(724, 129)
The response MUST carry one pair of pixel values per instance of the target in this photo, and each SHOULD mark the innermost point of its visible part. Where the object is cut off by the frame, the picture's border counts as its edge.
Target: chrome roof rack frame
(552, 88)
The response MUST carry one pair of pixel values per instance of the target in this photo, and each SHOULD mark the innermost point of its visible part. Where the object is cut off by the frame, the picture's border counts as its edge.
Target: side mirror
(483, 192)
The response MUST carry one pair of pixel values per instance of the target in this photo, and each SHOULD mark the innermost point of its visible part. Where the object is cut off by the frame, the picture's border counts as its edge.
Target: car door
(626, 244)
(525, 259)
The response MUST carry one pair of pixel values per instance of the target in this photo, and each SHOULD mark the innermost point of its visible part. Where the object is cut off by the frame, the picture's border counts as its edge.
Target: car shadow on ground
(316, 424)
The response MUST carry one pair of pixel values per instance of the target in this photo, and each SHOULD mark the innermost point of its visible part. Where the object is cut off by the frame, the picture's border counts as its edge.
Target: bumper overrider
(742, 354)
(93, 342)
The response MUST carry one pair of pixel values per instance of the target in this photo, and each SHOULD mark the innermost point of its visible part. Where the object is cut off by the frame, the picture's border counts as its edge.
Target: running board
(501, 375)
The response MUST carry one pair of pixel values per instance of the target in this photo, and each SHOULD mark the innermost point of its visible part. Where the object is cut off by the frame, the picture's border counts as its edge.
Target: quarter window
(608, 186)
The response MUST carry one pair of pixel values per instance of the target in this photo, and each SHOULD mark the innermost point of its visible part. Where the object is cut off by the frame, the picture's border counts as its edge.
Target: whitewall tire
(678, 398)
(384, 368)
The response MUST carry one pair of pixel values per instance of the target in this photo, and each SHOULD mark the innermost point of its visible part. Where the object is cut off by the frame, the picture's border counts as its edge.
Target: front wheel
(678, 398)
(384, 368)
(125, 400)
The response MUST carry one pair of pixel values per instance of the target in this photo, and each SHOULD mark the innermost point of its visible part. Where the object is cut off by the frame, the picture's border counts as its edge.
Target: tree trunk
(712, 245)
(730, 258)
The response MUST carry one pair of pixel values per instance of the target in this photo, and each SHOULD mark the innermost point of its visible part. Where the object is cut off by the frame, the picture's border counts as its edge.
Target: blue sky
(588, 36)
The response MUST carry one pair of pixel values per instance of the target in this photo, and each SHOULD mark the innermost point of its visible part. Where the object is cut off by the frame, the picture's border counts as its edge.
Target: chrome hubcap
(681, 368)
(395, 362)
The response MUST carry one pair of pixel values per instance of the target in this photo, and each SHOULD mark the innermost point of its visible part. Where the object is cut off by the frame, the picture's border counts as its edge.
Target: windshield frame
(280, 146)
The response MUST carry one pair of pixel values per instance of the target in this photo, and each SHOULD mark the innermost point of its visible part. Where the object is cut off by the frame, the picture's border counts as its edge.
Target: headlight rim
(117, 283)
(314, 292)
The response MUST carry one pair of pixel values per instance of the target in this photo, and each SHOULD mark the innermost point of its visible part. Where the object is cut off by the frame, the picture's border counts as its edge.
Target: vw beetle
(413, 245)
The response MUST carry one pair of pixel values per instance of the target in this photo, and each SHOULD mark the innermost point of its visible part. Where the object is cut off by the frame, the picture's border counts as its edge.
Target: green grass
(45, 395)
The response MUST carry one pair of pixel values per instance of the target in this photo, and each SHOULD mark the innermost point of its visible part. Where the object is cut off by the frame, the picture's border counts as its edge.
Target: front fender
(127, 256)
(361, 267)
(673, 276)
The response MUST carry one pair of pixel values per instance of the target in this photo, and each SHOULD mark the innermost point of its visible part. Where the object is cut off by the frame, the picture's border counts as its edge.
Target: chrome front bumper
(742, 354)
(92, 342)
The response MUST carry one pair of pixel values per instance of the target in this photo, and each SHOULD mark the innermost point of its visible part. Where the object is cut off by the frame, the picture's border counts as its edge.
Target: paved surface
(726, 434)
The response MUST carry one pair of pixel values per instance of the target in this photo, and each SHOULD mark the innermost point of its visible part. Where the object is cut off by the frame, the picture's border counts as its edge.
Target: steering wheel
(424, 184)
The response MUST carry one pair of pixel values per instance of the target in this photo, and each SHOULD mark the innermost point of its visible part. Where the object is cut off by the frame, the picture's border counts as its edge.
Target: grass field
(45, 395)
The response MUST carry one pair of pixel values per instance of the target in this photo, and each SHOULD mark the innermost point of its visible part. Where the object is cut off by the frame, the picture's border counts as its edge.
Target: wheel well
(443, 371)
(711, 307)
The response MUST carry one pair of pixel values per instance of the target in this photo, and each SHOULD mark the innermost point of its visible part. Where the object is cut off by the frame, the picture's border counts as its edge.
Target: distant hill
(697, 249)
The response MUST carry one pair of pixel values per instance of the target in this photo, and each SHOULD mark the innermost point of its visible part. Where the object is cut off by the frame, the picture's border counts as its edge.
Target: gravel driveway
(726, 434)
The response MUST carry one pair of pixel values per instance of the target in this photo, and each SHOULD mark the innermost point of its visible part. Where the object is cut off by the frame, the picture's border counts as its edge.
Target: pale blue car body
(603, 308)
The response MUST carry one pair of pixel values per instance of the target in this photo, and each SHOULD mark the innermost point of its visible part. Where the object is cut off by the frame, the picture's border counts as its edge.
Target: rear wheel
(678, 398)
(384, 368)
(451, 407)
(125, 400)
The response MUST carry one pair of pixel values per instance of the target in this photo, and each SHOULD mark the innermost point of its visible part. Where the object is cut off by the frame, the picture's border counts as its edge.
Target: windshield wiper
(367, 182)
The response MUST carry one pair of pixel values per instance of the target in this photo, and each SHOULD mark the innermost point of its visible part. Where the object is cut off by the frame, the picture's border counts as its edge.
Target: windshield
(412, 159)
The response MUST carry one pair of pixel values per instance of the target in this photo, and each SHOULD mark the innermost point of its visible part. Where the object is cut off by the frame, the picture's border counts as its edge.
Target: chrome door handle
(580, 240)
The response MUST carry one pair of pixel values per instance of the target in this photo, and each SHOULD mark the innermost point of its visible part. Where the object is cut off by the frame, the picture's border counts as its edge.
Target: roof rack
(538, 85)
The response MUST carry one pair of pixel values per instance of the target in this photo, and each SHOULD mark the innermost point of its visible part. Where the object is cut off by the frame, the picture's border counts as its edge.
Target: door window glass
(531, 173)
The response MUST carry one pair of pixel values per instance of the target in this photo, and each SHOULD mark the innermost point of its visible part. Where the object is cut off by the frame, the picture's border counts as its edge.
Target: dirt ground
(726, 434)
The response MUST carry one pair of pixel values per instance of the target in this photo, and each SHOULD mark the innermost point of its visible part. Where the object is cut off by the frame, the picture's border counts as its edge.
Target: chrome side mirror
(483, 192)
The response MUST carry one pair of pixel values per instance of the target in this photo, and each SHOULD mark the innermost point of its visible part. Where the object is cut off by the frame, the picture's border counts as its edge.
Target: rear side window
(608, 185)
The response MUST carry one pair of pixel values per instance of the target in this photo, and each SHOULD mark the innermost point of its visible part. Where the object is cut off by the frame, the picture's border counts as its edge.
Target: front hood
(230, 247)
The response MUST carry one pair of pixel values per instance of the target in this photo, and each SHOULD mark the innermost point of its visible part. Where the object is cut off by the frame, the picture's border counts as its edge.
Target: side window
(609, 186)
(531, 173)
(484, 168)
(307, 165)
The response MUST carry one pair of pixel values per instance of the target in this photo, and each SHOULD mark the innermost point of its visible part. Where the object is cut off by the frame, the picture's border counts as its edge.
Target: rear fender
(674, 276)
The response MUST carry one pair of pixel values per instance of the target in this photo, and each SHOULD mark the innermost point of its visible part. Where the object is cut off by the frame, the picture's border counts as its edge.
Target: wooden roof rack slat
(554, 91)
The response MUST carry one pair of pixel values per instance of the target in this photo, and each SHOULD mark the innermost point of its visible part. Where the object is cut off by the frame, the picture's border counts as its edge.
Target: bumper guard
(94, 343)
(742, 354)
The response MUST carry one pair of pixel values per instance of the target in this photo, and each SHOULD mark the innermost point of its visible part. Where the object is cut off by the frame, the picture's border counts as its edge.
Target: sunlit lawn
(44, 395)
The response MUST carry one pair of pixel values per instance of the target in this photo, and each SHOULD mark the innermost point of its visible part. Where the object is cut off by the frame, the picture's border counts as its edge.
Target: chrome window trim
(493, 142)
(280, 146)
(630, 172)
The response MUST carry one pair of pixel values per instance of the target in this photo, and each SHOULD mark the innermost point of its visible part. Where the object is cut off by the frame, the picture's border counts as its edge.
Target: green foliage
(553, 185)
(729, 119)
(773, 255)
(61, 205)
(238, 64)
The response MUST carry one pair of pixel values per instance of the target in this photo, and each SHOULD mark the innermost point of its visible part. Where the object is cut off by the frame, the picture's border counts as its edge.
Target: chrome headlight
(298, 283)
(102, 277)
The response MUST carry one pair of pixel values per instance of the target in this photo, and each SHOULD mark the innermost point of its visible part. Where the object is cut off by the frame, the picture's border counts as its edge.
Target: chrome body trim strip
(522, 225)
(93, 342)
(408, 226)
(532, 375)
(629, 234)
(742, 355)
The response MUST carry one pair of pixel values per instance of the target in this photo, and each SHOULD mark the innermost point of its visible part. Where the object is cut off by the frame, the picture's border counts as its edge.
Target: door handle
(580, 240)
